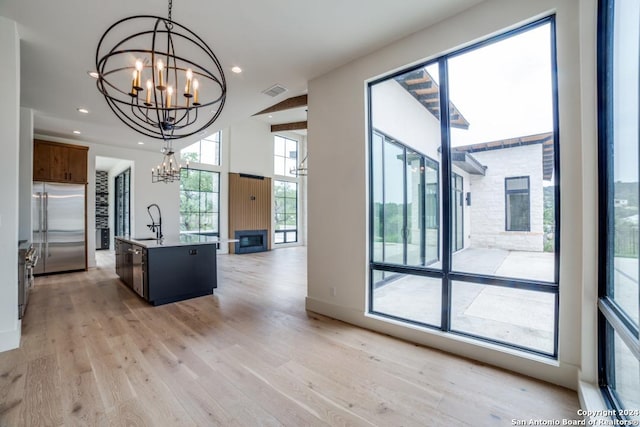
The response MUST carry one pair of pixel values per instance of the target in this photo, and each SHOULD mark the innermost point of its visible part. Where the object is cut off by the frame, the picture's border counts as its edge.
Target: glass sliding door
(415, 189)
(464, 206)
(432, 212)
(405, 205)
(377, 199)
(405, 231)
(394, 211)
(457, 207)
(619, 193)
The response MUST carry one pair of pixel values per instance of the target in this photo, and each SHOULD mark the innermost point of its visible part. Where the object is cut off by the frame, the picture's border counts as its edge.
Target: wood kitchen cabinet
(59, 162)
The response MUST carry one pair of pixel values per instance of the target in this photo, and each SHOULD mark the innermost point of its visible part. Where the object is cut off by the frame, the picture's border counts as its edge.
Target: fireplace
(250, 241)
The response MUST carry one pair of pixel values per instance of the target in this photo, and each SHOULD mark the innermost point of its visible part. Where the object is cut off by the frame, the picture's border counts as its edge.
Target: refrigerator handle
(39, 211)
(45, 227)
(40, 223)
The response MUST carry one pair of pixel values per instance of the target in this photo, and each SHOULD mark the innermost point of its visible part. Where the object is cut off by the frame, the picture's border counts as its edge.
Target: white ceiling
(287, 42)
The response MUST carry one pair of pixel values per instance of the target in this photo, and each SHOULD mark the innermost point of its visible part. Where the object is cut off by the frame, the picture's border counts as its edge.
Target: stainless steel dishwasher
(138, 261)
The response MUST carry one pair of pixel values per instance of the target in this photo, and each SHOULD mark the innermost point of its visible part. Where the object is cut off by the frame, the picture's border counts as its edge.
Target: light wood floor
(93, 353)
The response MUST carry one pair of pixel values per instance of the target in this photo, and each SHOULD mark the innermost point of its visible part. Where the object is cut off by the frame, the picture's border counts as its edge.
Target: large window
(206, 151)
(286, 211)
(619, 128)
(516, 203)
(199, 202)
(285, 155)
(443, 187)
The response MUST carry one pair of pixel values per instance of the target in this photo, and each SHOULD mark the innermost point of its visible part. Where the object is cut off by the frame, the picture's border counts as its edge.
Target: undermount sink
(141, 239)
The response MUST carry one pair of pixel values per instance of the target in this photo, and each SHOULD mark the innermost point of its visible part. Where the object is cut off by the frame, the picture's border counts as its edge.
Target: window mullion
(445, 143)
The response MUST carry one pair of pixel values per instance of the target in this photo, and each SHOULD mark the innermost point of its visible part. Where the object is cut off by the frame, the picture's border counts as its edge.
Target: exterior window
(516, 194)
(206, 151)
(443, 188)
(199, 202)
(286, 211)
(285, 155)
(619, 234)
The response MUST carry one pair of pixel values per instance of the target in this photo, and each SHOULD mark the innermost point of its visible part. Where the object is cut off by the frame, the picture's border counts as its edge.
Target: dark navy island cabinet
(167, 271)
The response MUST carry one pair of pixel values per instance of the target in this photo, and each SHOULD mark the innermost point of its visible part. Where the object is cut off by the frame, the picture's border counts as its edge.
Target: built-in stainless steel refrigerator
(59, 226)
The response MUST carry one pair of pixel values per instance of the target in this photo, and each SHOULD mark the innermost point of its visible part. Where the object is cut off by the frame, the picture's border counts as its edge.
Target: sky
(503, 89)
(625, 93)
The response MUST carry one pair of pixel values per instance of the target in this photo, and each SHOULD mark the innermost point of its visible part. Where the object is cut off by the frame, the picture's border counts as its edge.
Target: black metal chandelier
(170, 169)
(143, 63)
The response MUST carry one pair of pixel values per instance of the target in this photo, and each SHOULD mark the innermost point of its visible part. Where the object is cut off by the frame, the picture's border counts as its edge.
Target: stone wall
(487, 210)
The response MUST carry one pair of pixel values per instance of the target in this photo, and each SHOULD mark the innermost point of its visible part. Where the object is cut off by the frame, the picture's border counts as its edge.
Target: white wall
(338, 124)
(488, 199)
(26, 173)
(9, 172)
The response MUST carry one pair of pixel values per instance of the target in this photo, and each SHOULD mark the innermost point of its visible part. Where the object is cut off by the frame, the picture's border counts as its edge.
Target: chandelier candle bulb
(160, 67)
(138, 75)
(148, 99)
(169, 92)
(187, 87)
(195, 92)
(133, 92)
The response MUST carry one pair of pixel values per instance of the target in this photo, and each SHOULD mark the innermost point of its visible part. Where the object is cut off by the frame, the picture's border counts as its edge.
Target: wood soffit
(289, 126)
(287, 104)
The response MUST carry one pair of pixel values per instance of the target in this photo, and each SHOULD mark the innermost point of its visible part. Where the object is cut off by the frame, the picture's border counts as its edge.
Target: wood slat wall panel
(246, 213)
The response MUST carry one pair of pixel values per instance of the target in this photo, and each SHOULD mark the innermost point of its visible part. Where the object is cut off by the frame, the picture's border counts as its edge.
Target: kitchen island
(169, 269)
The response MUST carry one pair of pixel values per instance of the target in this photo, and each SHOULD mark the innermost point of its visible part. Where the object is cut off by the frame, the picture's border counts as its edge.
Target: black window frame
(216, 138)
(508, 225)
(612, 319)
(287, 173)
(284, 232)
(446, 272)
(122, 203)
(199, 212)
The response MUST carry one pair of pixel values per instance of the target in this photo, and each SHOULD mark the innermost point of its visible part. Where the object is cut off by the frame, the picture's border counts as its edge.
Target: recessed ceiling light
(83, 110)
(140, 143)
(236, 69)
(93, 74)
(77, 132)
(270, 116)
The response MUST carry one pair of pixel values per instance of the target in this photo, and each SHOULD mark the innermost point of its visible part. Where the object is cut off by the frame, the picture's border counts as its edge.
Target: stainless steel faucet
(156, 227)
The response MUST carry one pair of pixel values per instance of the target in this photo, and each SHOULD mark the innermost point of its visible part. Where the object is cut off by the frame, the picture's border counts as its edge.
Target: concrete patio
(521, 317)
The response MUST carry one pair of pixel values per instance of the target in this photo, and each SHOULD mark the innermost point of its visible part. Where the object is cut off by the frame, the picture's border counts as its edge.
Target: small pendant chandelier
(170, 169)
(301, 169)
(159, 77)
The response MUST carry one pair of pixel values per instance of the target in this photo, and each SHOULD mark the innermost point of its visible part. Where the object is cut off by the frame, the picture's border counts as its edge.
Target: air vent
(275, 90)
